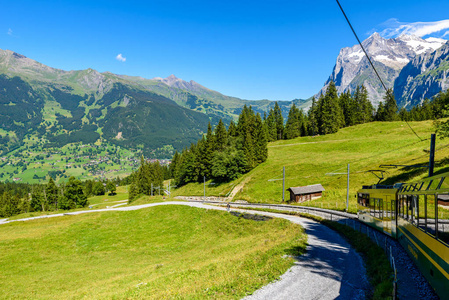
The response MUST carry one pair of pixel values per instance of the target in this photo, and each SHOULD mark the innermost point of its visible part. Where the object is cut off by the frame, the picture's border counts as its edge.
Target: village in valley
(35, 164)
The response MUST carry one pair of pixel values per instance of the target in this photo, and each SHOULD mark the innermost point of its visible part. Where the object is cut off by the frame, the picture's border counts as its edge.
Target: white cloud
(120, 57)
(393, 28)
(10, 31)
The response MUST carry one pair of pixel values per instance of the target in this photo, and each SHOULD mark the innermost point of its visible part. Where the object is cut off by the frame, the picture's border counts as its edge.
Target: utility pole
(432, 154)
(204, 179)
(347, 193)
(283, 184)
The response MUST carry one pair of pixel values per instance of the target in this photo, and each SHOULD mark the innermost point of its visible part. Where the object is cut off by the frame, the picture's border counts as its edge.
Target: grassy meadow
(308, 160)
(160, 252)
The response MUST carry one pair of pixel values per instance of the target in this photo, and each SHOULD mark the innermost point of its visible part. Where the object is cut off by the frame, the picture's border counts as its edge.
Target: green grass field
(160, 252)
(307, 160)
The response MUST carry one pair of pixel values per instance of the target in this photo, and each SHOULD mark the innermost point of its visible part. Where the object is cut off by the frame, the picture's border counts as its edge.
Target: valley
(33, 163)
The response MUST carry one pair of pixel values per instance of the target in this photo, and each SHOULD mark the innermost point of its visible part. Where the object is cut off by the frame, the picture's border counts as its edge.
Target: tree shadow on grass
(409, 173)
(296, 251)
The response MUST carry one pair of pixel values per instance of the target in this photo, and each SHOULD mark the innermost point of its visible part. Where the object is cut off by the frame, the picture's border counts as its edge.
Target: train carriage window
(386, 209)
(381, 209)
(404, 207)
(421, 212)
(414, 211)
(393, 209)
(363, 199)
(408, 207)
(376, 208)
(430, 207)
(443, 217)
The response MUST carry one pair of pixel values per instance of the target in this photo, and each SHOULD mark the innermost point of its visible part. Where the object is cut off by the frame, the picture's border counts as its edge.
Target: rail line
(409, 283)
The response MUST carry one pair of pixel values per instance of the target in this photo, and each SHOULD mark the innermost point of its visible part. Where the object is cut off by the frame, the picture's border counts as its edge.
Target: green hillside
(165, 252)
(307, 160)
(61, 107)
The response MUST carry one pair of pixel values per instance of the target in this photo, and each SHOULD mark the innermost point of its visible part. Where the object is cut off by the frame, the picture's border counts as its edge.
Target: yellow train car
(417, 214)
(423, 228)
(377, 207)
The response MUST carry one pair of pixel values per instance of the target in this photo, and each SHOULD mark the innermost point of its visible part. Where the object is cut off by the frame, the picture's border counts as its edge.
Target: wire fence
(348, 219)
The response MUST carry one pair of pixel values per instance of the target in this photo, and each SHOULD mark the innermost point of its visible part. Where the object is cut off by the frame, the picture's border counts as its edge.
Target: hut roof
(308, 189)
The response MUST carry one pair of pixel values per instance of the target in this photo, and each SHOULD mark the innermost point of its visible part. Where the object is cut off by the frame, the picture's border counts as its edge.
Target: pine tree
(279, 121)
(331, 115)
(348, 108)
(232, 129)
(364, 110)
(208, 155)
(248, 150)
(110, 186)
(271, 126)
(133, 192)
(260, 141)
(221, 136)
(293, 125)
(174, 165)
(37, 202)
(391, 107)
(52, 193)
(313, 126)
(380, 113)
(73, 195)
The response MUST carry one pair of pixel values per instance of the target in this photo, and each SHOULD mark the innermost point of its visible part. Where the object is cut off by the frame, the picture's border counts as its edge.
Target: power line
(372, 65)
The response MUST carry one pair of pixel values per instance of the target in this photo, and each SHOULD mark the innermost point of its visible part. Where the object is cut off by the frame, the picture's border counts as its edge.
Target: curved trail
(329, 269)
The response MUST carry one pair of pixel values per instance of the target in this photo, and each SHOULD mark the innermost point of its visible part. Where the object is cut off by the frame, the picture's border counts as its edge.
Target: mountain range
(59, 107)
(415, 68)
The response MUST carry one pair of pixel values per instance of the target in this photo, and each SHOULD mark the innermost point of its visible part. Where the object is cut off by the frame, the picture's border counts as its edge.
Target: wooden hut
(304, 193)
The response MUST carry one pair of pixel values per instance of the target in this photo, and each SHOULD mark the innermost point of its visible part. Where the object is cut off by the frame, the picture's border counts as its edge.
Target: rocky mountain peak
(425, 76)
(175, 82)
(388, 55)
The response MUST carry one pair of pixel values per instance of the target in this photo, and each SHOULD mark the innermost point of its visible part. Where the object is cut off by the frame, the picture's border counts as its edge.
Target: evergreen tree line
(332, 111)
(223, 154)
(147, 180)
(326, 115)
(17, 198)
(434, 109)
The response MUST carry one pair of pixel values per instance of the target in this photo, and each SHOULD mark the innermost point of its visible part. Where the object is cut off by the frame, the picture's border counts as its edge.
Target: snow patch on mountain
(352, 68)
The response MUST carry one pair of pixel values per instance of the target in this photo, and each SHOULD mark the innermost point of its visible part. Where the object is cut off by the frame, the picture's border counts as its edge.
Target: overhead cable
(372, 65)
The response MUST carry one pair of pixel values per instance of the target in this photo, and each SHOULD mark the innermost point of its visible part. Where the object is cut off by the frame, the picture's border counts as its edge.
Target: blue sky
(277, 50)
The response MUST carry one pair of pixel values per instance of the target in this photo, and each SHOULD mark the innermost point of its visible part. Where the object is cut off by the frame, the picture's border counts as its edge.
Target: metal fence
(345, 218)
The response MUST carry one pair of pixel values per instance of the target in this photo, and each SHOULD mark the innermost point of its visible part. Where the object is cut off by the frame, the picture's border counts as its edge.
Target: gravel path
(329, 269)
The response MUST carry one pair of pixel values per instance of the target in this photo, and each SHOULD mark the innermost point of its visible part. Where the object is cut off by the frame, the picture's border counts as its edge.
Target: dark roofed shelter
(304, 193)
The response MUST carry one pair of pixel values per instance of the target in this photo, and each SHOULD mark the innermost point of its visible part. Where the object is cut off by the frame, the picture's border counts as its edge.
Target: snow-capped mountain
(389, 57)
(423, 77)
